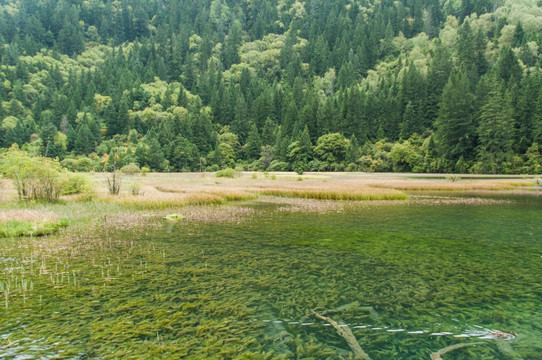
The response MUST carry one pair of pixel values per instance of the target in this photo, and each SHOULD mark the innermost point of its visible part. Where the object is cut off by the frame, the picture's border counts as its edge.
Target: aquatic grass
(15, 228)
(336, 193)
(204, 290)
(156, 200)
(439, 185)
(14, 223)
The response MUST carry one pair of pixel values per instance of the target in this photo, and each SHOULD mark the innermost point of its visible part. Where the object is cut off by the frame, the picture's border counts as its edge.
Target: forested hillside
(356, 85)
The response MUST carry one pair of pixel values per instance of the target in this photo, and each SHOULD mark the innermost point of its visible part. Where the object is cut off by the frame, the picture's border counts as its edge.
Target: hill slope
(411, 85)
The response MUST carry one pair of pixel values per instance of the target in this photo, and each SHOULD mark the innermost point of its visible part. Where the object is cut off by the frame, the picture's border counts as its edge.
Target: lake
(408, 278)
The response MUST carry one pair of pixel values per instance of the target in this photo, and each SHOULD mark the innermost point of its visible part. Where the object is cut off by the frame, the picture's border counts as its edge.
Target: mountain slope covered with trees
(356, 85)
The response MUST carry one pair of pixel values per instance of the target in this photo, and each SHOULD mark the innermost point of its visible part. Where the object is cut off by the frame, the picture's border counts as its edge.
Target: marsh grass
(14, 223)
(163, 198)
(15, 228)
(336, 194)
(145, 197)
(439, 185)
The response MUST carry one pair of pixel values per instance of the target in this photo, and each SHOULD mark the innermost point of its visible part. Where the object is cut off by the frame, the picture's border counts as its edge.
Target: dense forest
(315, 85)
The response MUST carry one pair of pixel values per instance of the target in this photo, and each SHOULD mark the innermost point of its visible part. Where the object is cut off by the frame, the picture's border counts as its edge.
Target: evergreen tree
(84, 140)
(455, 126)
(48, 133)
(508, 66)
(254, 144)
(495, 131)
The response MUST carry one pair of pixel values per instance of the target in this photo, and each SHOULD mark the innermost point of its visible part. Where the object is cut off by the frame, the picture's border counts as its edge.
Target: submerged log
(372, 312)
(346, 334)
(438, 355)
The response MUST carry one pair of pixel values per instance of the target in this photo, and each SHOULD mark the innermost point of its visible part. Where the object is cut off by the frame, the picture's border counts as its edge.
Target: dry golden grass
(443, 185)
(173, 190)
(27, 215)
(161, 197)
(334, 192)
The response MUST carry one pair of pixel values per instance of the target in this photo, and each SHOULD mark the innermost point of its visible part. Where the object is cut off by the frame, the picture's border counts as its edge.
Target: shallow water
(411, 279)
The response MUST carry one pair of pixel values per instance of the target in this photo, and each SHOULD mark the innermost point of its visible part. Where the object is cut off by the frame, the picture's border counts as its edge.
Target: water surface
(410, 278)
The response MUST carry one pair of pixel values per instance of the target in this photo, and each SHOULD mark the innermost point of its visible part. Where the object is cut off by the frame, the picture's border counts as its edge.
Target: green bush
(83, 165)
(213, 167)
(35, 178)
(130, 169)
(135, 189)
(278, 166)
(228, 172)
(76, 184)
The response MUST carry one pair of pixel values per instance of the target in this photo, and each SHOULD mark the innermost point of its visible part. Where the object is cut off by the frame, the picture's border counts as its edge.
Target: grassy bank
(15, 223)
(155, 195)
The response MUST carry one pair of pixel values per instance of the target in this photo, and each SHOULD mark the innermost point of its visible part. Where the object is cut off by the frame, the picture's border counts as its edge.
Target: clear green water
(213, 291)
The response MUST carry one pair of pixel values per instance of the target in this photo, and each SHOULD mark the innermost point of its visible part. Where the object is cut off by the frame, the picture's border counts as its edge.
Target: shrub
(278, 166)
(114, 181)
(228, 172)
(130, 169)
(453, 178)
(135, 189)
(76, 184)
(83, 165)
(36, 178)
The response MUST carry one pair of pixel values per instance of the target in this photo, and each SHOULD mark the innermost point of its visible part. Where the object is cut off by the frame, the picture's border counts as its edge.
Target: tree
(48, 133)
(299, 152)
(331, 148)
(254, 144)
(36, 178)
(266, 156)
(455, 126)
(508, 66)
(84, 140)
(495, 131)
(533, 162)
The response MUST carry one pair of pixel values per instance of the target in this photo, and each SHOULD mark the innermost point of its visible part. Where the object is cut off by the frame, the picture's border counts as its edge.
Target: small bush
(228, 172)
(453, 178)
(130, 169)
(83, 165)
(76, 184)
(213, 167)
(36, 178)
(278, 166)
(135, 189)
(114, 181)
(145, 170)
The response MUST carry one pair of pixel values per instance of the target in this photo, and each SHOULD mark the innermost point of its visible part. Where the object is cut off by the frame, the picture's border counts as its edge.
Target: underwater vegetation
(407, 278)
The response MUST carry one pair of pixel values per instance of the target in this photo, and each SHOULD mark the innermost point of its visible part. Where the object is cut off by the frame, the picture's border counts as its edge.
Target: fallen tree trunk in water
(346, 334)
(438, 355)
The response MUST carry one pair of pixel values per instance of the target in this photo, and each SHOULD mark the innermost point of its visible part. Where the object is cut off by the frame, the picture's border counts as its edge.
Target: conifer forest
(274, 85)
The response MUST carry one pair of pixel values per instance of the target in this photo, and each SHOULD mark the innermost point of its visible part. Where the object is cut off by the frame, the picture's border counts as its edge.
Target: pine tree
(48, 133)
(268, 132)
(455, 127)
(84, 140)
(495, 131)
(254, 144)
(508, 66)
